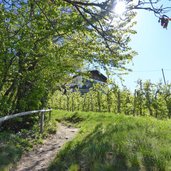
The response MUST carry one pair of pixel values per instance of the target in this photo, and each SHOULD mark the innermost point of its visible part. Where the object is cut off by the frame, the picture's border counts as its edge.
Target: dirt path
(40, 158)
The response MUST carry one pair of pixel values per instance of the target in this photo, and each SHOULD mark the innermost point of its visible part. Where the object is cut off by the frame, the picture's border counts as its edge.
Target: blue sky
(153, 44)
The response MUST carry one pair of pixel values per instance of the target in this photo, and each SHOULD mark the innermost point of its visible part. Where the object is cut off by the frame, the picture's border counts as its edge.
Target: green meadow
(109, 142)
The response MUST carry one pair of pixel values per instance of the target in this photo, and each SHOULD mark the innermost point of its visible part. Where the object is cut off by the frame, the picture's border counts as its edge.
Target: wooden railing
(41, 112)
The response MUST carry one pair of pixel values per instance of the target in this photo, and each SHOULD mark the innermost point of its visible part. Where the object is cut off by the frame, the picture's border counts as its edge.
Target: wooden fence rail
(42, 113)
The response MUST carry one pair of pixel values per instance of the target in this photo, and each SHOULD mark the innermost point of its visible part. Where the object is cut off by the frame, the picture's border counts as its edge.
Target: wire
(150, 70)
(146, 71)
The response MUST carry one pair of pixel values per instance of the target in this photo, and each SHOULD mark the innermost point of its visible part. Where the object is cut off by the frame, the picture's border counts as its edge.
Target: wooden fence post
(42, 116)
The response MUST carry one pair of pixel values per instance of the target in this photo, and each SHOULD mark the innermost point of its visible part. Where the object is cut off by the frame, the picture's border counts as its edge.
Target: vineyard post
(78, 102)
(99, 101)
(156, 101)
(163, 76)
(141, 100)
(119, 102)
(108, 101)
(91, 102)
(84, 101)
(134, 107)
(88, 103)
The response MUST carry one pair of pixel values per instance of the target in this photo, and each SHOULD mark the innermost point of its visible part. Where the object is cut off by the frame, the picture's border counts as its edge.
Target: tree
(43, 42)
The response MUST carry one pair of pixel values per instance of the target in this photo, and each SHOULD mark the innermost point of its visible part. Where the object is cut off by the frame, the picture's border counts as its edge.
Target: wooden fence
(41, 112)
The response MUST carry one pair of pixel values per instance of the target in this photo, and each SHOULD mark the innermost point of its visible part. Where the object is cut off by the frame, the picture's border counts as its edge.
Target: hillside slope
(112, 142)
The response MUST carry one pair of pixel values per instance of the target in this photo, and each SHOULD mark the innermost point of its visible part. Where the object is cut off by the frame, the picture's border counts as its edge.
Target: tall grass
(108, 142)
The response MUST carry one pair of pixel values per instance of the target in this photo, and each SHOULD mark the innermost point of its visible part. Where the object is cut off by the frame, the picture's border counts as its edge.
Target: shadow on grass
(9, 153)
(107, 148)
(94, 152)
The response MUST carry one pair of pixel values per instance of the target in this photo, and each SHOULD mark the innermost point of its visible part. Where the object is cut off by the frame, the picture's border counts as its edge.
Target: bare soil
(40, 158)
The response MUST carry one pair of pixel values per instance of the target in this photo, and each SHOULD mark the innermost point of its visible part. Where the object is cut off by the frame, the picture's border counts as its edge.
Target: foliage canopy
(43, 42)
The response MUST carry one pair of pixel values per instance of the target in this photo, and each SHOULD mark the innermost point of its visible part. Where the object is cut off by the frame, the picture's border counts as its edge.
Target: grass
(13, 145)
(108, 142)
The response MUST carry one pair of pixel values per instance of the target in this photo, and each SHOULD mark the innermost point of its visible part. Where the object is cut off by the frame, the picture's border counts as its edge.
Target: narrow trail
(40, 158)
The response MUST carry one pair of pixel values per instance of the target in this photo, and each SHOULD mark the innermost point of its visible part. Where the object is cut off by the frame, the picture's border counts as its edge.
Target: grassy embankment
(108, 142)
(12, 145)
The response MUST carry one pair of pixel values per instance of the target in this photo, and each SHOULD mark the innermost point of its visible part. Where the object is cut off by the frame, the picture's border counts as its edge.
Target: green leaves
(44, 42)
